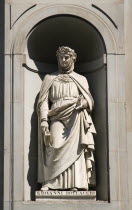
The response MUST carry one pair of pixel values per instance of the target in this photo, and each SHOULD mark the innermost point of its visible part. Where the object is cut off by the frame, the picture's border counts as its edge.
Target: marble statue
(65, 127)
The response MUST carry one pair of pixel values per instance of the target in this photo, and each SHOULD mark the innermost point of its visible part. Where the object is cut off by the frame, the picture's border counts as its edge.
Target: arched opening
(65, 30)
(43, 41)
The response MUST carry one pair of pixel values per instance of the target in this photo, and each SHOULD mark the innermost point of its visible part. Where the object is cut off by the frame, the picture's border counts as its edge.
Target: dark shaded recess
(80, 35)
(33, 154)
(64, 31)
(98, 87)
(88, 67)
(2, 35)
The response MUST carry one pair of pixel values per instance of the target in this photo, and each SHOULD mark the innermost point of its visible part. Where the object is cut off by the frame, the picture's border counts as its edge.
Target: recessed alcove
(43, 41)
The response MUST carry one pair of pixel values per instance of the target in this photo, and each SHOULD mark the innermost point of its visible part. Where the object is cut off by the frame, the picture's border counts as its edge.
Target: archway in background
(68, 30)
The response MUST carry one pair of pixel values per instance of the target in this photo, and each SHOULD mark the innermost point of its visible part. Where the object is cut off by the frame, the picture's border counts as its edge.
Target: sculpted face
(65, 61)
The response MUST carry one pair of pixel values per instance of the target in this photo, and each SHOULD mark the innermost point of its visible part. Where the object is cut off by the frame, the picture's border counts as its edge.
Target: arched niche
(43, 41)
(20, 48)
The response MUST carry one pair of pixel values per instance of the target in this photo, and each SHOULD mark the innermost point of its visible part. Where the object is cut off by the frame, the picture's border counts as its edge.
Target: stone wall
(20, 17)
(128, 67)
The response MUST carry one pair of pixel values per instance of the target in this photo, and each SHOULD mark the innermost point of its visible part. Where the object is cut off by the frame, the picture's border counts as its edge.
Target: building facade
(100, 33)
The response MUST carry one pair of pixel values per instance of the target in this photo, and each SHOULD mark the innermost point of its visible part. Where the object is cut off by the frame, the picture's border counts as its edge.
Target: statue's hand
(82, 104)
(45, 126)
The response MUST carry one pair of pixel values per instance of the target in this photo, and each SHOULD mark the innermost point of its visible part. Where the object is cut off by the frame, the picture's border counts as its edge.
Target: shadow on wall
(33, 154)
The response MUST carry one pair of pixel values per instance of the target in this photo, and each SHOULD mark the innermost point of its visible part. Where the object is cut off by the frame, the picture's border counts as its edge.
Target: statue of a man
(65, 144)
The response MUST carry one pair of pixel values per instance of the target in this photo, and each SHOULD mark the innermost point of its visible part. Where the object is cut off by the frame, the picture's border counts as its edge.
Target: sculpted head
(66, 59)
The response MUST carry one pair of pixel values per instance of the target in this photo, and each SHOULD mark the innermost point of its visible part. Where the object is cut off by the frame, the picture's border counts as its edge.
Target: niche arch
(80, 35)
(20, 43)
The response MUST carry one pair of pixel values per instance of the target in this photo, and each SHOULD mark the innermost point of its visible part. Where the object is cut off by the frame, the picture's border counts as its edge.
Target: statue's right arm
(43, 102)
(44, 108)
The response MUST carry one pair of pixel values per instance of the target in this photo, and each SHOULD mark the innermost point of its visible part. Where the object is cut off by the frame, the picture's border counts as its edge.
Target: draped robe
(69, 161)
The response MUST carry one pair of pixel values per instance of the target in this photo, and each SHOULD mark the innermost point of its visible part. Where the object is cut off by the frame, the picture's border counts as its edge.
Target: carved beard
(66, 70)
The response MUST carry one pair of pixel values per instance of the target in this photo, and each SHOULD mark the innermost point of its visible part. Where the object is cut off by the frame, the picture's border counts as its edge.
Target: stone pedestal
(88, 195)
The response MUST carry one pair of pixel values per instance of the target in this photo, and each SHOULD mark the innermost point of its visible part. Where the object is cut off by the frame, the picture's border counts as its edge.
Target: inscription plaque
(41, 195)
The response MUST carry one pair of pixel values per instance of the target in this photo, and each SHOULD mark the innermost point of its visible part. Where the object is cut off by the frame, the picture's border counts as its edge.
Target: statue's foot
(74, 189)
(44, 188)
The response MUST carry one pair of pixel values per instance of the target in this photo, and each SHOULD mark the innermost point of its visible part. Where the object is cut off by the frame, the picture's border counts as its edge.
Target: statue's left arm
(86, 101)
